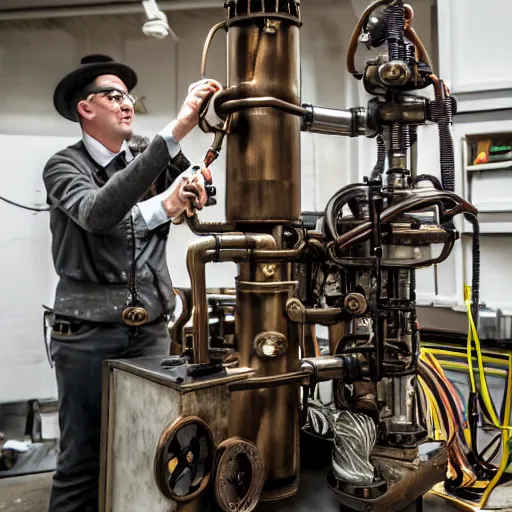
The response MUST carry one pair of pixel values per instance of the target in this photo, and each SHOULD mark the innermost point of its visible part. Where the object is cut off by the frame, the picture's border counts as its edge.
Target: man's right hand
(188, 116)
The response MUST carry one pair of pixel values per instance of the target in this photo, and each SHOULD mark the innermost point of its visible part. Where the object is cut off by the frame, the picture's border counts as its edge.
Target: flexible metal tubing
(362, 231)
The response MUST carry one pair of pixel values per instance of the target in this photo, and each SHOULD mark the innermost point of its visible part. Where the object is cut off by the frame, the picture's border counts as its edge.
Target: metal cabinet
(474, 60)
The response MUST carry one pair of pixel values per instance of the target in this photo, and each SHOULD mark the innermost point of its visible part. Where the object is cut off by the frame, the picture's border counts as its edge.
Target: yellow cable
(473, 335)
(459, 350)
(463, 368)
(505, 440)
(434, 411)
(458, 355)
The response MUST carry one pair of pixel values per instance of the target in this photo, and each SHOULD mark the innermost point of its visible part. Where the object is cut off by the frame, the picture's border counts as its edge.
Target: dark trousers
(78, 364)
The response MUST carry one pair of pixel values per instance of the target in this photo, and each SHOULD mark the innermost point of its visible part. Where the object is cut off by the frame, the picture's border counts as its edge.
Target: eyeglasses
(115, 96)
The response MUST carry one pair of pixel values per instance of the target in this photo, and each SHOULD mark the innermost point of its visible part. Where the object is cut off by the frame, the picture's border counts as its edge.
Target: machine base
(282, 493)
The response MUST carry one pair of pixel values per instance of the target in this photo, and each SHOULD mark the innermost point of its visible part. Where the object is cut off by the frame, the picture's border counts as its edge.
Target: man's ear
(85, 110)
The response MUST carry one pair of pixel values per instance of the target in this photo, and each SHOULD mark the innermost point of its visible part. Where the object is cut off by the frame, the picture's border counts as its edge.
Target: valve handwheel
(239, 475)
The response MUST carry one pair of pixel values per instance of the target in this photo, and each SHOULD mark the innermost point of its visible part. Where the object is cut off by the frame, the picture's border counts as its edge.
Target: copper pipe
(255, 255)
(438, 87)
(198, 227)
(207, 45)
(236, 247)
(352, 49)
(312, 348)
(336, 332)
(298, 313)
(231, 106)
(177, 338)
(411, 34)
(284, 255)
(197, 255)
(273, 381)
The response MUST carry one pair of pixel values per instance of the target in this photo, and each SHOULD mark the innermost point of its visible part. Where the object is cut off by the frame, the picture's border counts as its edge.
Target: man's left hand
(187, 195)
(197, 201)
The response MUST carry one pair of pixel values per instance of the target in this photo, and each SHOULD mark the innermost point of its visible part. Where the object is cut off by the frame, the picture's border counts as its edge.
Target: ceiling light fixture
(156, 24)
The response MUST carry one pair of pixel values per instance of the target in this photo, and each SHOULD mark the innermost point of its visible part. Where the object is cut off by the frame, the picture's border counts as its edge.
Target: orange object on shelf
(482, 150)
(482, 158)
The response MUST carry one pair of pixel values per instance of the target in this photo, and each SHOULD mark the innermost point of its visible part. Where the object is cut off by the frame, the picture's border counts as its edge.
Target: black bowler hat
(91, 67)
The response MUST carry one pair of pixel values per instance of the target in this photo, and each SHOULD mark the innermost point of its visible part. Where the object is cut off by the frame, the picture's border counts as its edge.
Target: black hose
(475, 284)
(427, 177)
(496, 438)
(30, 208)
(395, 17)
(381, 158)
(336, 203)
(441, 112)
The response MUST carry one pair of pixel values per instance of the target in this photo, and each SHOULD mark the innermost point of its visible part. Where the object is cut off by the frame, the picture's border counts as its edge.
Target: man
(112, 202)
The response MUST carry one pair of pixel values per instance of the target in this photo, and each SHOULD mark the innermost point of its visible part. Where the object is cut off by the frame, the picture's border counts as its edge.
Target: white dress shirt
(152, 210)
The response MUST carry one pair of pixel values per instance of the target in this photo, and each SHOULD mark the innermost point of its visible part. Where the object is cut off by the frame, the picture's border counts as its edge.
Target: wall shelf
(487, 186)
(494, 166)
(490, 228)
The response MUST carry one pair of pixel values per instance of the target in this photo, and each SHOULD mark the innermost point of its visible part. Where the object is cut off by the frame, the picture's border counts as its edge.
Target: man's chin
(128, 133)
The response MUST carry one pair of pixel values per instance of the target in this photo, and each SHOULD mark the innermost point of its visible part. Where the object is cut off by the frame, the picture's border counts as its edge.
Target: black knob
(173, 361)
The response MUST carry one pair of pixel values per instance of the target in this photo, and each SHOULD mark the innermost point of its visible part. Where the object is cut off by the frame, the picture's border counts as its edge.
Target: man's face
(112, 109)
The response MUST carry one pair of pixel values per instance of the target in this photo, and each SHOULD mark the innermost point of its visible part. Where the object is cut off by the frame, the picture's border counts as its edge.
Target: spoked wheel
(184, 459)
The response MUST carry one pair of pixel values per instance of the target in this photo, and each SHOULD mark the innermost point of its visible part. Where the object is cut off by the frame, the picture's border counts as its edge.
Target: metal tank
(263, 149)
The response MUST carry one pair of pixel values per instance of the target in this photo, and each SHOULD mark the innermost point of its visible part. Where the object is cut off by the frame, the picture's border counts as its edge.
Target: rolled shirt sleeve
(172, 144)
(152, 210)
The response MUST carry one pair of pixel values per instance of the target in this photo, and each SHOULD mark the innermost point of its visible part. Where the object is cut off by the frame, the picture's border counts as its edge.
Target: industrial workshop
(255, 256)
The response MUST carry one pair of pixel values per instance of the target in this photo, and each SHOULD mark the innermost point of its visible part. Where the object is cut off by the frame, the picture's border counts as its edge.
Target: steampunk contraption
(218, 423)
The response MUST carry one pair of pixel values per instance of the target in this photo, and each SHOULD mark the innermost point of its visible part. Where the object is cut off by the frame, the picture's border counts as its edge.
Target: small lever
(211, 191)
(211, 155)
(214, 151)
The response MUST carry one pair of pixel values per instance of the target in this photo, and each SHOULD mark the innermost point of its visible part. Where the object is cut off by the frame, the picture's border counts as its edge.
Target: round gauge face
(239, 476)
(184, 459)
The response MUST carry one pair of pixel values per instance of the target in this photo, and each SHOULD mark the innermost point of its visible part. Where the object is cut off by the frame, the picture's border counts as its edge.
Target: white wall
(35, 55)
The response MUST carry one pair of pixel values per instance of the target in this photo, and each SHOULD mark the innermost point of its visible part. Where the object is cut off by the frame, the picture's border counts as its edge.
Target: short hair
(81, 95)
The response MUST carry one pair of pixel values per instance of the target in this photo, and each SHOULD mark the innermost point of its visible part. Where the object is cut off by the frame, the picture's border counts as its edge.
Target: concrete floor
(25, 493)
(30, 494)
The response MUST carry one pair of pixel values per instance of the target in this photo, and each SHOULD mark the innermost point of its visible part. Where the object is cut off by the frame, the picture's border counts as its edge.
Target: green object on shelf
(500, 149)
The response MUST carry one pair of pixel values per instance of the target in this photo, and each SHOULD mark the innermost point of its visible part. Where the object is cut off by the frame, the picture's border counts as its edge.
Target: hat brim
(75, 81)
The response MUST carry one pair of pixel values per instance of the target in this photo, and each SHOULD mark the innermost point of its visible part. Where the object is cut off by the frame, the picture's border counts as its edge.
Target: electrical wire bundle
(472, 476)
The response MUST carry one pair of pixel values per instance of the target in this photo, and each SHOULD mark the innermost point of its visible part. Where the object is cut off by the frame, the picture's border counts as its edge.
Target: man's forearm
(154, 213)
(125, 188)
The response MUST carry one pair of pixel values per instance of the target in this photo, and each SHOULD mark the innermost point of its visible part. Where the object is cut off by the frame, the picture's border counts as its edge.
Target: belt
(71, 326)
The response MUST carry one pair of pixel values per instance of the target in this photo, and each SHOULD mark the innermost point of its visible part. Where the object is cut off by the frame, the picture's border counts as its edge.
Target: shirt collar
(101, 154)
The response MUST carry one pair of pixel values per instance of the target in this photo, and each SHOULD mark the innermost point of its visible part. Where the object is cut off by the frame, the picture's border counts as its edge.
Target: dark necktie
(120, 161)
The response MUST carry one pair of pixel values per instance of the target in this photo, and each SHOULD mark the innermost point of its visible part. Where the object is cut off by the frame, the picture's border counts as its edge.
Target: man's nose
(127, 104)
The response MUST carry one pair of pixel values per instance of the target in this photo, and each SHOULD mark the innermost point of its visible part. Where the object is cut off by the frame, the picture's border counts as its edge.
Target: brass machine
(238, 408)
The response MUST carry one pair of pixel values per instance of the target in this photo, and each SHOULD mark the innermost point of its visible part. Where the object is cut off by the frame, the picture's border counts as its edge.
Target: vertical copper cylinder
(336, 332)
(268, 417)
(263, 148)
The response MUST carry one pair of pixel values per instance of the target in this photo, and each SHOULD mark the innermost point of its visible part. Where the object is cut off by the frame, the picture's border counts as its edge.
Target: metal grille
(236, 8)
